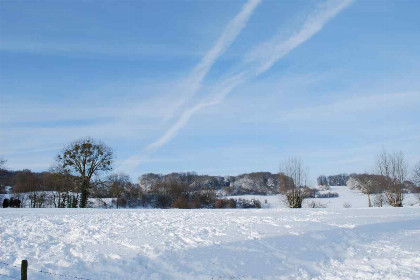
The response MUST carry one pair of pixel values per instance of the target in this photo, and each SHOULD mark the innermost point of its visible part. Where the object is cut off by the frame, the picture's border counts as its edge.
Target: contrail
(271, 51)
(258, 61)
(227, 86)
(230, 33)
(254, 63)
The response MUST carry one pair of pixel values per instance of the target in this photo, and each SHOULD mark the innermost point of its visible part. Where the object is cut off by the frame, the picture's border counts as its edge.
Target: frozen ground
(354, 198)
(365, 243)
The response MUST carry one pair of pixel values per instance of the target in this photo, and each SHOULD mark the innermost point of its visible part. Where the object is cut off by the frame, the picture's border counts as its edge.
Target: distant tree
(379, 200)
(126, 193)
(416, 174)
(410, 187)
(118, 182)
(232, 203)
(169, 191)
(30, 183)
(220, 203)
(373, 184)
(6, 177)
(394, 169)
(63, 186)
(2, 162)
(367, 186)
(294, 169)
(181, 203)
(285, 183)
(85, 158)
(322, 180)
(206, 198)
(338, 180)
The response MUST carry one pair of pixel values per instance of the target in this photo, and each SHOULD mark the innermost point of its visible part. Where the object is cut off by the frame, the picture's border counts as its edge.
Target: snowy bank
(366, 243)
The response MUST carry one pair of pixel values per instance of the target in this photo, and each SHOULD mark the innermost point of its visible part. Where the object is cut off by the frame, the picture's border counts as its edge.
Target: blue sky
(216, 87)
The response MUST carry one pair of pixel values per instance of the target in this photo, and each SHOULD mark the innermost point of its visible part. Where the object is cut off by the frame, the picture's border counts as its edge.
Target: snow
(354, 198)
(271, 243)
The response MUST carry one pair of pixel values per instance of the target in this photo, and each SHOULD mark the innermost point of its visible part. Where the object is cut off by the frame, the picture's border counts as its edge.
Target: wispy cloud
(256, 62)
(223, 90)
(268, 53)
(193, 83)
(90, 49)
(194, 80)
(354, 105)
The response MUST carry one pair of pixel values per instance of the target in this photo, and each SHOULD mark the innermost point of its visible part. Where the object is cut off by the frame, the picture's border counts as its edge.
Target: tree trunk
(84, 193)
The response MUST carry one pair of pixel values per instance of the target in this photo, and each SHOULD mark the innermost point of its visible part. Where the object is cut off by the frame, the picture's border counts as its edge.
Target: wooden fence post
(24, 270)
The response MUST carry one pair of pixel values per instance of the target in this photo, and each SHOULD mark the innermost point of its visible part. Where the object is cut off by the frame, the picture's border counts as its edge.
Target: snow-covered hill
(353, 199)
(366, 243)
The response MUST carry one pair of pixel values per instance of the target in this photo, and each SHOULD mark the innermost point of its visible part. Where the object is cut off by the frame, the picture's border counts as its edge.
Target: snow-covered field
(353, 198)
(365, 243)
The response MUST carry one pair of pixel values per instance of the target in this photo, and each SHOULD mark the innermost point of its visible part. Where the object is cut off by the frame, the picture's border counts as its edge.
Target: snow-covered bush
(353, 184)
(316, 204)
(379, 200)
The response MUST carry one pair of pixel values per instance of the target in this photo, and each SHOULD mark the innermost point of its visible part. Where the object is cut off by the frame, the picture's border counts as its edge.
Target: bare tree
(394, 169)
(416, 174)
(85, 158)
(2, 162)
(367, 188)
(293, 177)
(126, 193)
(379, 200)
(369, 184)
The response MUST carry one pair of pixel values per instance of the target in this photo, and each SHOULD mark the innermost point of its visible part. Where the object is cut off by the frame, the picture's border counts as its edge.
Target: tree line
(78, 173)
(80, 168)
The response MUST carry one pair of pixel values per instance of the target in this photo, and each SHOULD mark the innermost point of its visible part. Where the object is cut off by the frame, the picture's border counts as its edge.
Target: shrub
(207, 198)
(326, 195)
(162, 201)
(195, 203)
(294, 198)
(231, 203)
(220, 203)
(316, 204)
(346, 205)
(245, 203)
(181, 203)
(379, 200)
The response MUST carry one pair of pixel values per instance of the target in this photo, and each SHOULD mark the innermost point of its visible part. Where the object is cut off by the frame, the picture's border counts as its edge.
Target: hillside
(248, 183)
(352, 199)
